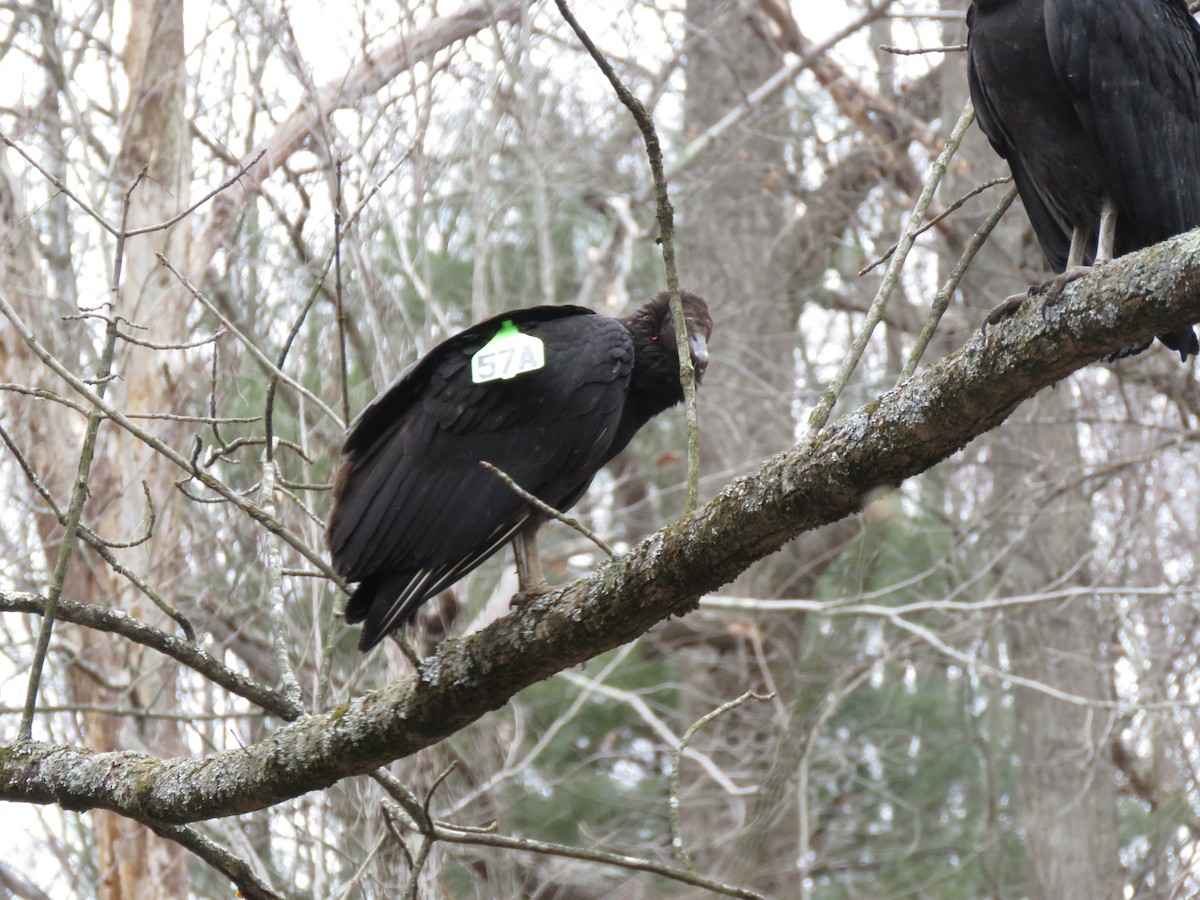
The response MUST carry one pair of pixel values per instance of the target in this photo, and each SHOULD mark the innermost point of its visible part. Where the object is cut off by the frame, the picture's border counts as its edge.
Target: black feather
(413, 509)
(1093, 99)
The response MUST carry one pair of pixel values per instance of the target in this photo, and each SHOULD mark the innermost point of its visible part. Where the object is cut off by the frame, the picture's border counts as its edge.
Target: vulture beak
(699, 351)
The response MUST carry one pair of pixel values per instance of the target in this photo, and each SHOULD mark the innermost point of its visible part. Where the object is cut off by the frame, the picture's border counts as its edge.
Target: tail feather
(1182, 342)
(374, 603)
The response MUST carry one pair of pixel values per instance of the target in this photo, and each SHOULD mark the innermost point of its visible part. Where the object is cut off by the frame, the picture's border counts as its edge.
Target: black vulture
(547, 395)
(1096, 106)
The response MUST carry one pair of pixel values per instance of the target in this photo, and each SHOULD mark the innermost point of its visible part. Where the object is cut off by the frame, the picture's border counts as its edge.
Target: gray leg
(1052, 289)
(1078, 246)
(1108, 231)
(531, 579)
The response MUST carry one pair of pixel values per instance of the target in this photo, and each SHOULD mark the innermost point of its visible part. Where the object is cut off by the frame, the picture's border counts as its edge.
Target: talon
(1052, 289)
(531, 592)
(1007, 308)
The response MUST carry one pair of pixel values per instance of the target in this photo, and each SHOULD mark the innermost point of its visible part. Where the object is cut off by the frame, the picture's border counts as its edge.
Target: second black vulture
(547, 395)
(1096, 106)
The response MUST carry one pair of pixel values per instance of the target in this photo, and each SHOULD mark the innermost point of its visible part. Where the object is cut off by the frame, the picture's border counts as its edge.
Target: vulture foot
(1006, 308)
(1048, 291)
(528, 594)
(1053, 288)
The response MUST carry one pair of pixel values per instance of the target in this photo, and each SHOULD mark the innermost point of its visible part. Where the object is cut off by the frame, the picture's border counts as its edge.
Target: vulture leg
(1078, 248)
(1108, 232)
(1051, 289)
(1005, 308)
(1076, 268)
(531, 579)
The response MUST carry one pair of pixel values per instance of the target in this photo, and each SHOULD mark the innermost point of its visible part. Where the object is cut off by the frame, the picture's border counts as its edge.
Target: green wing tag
(508, 354)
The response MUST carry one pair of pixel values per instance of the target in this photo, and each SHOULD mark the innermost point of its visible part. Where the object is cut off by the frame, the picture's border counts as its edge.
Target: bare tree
(871, 662)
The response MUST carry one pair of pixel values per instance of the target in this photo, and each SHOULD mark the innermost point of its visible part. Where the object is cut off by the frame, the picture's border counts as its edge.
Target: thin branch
(80, 491)
(941, 302)
(62, 188)
(179, 217)
(547, 509)
(188, 466)
(154, 345)
(642, 709)
(235, 869)
(135, 712)
(677, 762)
(272, 378)
(339, 305)
(97, 543)
(278, 614)
(956, 205)
(268, 366)
(620, 860)
(113, 621)
(43, 394)
(666, 233)
(900, 51)
(820, 414)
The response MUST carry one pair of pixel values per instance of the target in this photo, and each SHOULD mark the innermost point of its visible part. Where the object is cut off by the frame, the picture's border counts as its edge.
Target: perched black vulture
(548, 395)
(1096, 106)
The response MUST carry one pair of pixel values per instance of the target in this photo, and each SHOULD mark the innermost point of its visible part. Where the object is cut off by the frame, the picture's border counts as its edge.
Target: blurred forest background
(978, 688)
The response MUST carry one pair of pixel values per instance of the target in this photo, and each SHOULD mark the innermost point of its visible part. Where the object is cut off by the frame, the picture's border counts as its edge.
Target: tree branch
(113, 621)
(903, 433)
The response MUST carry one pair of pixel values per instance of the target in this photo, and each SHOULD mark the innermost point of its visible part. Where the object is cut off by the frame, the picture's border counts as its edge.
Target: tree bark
(906, 431)
(134, 862)
(1068, 801)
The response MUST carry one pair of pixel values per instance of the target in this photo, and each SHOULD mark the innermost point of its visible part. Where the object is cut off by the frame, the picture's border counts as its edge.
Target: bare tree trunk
(1068, 782)
(735, 251)
(134, 862)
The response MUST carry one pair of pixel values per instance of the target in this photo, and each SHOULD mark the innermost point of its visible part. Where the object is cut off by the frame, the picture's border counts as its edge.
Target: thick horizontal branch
(903, 433)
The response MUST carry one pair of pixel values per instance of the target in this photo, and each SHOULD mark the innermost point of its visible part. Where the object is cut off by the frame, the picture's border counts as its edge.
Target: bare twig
(268, 366)
(619, 860)
(188, 466)
(155, 345)
(957, 204)
(97, 543)
(137, 712)
(942, 301)
(236, 870)
(677, 761)
(113, 621)
(546, 508)
(900, 51)
(80, 491)
(179, 217)
(279, 642)
(273, 378)
(419, 820)
(340, 309)
(666, 232)
(820, 415)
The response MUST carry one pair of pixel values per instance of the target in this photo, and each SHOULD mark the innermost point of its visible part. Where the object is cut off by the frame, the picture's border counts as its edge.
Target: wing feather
(1132, 71)
(413, 508)
(1053, 238)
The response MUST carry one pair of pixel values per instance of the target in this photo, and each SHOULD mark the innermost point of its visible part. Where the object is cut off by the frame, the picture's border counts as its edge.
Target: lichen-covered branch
(903, 433)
